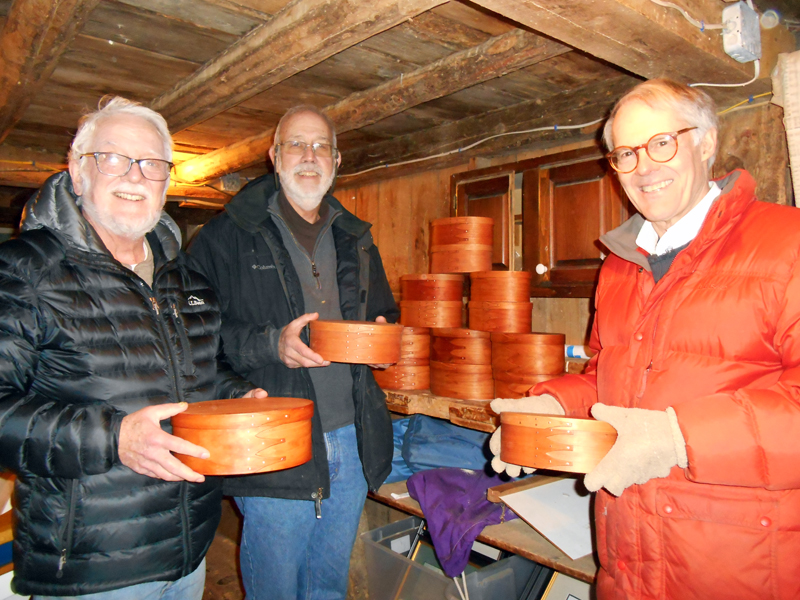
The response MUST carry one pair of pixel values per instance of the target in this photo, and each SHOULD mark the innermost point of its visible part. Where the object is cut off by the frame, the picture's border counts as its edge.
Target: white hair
(694, 106)
(112, 106)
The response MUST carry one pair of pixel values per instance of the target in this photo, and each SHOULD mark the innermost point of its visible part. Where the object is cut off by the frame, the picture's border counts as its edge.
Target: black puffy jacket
(243, 255)
(83, 343)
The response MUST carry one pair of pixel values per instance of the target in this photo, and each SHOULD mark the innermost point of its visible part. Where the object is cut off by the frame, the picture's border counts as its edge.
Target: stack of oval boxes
(497, 356)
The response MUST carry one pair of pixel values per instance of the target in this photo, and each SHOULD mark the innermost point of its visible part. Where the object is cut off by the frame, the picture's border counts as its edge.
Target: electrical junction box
(741, 35)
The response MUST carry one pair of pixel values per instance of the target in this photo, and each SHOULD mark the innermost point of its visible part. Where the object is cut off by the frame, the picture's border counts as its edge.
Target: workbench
(515, 536)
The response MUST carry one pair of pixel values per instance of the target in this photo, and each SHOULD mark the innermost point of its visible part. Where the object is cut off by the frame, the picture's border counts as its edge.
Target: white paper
(559, 513)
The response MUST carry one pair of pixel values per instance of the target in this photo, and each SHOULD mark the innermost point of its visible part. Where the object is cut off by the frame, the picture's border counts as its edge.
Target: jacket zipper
(317, 496)
(314, 271)
(188, 359)
(69, 528)
(187, 559)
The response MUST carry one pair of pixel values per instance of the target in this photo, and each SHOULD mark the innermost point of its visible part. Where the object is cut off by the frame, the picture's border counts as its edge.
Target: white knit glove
(649, 443)
(543, 405)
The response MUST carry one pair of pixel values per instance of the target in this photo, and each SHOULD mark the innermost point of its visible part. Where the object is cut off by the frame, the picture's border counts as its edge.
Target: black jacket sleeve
(43, 435)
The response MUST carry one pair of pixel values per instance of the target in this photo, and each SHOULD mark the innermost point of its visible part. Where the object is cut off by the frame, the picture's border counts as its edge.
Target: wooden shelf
(514, 536)
(472, 414)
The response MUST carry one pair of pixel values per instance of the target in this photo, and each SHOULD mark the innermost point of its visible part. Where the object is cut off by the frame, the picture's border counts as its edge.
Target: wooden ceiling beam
(304, 33)
(22, 167)
(637, 35)
(35, 35)
(495, 57)
(565, 108)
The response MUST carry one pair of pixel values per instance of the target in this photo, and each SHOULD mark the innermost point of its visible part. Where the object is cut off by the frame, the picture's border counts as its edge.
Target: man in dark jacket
(107, 329)
(279, 259)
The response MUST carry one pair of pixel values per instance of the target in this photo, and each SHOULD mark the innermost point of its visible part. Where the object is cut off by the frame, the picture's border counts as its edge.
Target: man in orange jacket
(697, 333)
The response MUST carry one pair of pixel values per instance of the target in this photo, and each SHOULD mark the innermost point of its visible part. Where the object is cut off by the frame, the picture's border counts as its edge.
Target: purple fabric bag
(455, 506)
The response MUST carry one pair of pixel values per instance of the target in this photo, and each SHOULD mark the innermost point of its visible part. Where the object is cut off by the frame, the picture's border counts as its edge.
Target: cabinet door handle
(541, 269)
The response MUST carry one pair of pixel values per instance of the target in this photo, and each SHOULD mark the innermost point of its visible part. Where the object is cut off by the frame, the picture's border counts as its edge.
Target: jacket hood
(248, 209)
(622, 240)
(56, 207)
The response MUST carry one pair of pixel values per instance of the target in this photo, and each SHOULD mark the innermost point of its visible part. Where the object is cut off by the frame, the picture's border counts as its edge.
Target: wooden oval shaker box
(421, 313)
(247, 435)
(356, 342)
(461, 346)
(500, 286)
(463, 381)
(461, 245)
(524, 354)
(432, 286)
(555, 443)
(505, 317)
(404, 377)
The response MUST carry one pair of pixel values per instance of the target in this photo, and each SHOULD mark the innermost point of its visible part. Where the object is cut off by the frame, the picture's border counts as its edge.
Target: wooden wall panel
(400, 211)
(570, 316)
(755, 139)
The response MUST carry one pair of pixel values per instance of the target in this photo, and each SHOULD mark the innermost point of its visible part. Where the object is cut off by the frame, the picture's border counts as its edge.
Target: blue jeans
(185, 588)
(289, 554)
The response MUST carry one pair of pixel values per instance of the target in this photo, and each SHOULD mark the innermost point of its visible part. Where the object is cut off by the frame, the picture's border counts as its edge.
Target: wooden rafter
(495, 57)
(35, 35)
(303, 34)
(566, 108)
(640, 36)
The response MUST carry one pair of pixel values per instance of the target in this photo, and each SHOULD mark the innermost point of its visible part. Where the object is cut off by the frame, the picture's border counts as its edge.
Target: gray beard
(304, 199)
(131, 229)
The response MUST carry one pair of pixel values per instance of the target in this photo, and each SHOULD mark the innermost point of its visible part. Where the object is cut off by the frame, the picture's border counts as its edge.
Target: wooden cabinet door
(490, 198)
(565, 211)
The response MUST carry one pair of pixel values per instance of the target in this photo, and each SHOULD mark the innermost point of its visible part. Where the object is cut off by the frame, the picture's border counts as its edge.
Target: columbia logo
(195, 301)
(263, 267)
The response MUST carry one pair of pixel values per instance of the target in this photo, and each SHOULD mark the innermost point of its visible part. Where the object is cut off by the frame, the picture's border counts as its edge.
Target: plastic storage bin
(393, 576)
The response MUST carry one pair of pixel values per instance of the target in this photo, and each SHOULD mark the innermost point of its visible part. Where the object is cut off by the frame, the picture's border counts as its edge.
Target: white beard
(132, 229)
(306, 200)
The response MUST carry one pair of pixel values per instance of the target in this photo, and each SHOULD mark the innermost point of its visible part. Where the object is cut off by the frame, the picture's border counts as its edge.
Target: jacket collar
(738, 190)
(56, 207)
(250, 206)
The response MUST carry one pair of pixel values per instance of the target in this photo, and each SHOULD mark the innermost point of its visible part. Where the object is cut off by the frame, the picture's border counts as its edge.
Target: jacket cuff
(677, 439)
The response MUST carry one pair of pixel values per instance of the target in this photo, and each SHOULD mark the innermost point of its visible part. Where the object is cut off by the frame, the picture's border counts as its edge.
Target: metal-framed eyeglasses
(118, 165)
(298, 148)
(661, 148)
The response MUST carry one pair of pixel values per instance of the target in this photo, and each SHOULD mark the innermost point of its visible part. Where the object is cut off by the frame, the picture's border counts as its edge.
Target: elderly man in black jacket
(278, 260)
(106, 330)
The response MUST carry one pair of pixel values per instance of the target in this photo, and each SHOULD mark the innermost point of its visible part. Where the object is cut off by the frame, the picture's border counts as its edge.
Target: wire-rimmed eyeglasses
(661, 148)
(299, 148)
(118, 165)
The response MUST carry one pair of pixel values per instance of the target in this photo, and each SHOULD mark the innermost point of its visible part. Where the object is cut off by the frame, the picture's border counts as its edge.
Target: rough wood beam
(637, 35)
(495, 57)
(35, 35)
(21, 167)
(566, 108)
(303, 34)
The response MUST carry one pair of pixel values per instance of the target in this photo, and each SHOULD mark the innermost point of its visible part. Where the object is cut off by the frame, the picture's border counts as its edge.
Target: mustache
(307, 166)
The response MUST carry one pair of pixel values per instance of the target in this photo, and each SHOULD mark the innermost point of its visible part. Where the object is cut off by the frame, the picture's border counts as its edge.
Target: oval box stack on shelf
(521, 360)
(412, 371)
(461, 364)
(431, 300)
(500, 301)
(247, 435)
(556, 443)
(356, 342)
(461, 244)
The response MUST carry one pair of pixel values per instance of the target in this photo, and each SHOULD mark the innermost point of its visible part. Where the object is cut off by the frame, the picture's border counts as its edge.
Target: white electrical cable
(701, 25)
(755, 76)
(481, 141)
(465, 594)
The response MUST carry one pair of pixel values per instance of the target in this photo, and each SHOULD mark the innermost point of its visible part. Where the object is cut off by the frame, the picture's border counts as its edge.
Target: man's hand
(544, 405)
(147, 449)
(291, 349)
(382, 365)
(256, 393)
(649, 443)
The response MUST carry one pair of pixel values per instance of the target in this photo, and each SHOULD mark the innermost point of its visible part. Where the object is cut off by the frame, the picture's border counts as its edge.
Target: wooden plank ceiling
(402, 79)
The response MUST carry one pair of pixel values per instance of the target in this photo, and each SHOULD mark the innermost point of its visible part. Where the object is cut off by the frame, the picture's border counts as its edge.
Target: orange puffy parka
(718, 339)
